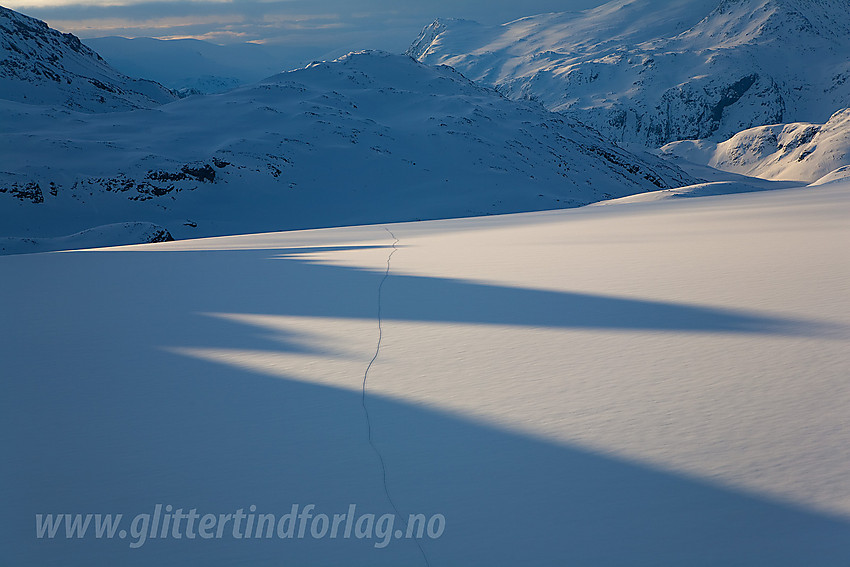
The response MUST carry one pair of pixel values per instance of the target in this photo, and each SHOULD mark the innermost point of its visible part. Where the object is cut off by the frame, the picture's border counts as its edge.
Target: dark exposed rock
(204, 173)
(161, 235)
(30, 192)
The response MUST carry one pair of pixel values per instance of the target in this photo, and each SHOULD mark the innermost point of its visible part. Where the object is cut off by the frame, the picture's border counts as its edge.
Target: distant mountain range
(648, 72)
(370, 137)
(39, 65)
(373, 137)
(195, 66)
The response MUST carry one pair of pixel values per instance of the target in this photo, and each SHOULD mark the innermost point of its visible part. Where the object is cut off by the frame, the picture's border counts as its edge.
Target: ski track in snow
(366, 408)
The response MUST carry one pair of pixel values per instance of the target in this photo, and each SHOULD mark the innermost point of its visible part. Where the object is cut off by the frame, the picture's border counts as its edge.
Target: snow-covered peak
(564, 35)
(743, 21)
(370, 137)
(432, 31)
(39, 65)
(374, 69)
(651, 72)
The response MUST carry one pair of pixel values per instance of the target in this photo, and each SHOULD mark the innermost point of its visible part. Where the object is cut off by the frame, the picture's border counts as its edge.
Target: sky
(332, 25)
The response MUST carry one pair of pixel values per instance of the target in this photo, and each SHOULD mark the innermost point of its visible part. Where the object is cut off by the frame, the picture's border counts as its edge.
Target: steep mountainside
(39, 65)
(370, 137)
(798, 151)
(651, 72)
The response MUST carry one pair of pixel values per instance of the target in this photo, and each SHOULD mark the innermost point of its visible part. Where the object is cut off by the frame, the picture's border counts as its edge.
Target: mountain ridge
(370, 137)
(40, 65)
(685, 75)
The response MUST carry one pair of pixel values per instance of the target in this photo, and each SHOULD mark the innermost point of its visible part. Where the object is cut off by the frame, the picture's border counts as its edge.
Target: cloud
(327, 25)
(24, 4)
(82, 27)
(75, 4)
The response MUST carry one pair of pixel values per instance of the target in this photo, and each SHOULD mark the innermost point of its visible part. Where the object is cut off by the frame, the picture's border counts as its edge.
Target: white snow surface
(649, 72)
(370, 137)
(792, 152)
(40, 65)
(652, 384)
(840, 174)
(707, 189)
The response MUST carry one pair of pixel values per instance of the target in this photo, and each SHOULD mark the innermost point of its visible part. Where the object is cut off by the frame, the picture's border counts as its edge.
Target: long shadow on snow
(105, 421)
(276, 282)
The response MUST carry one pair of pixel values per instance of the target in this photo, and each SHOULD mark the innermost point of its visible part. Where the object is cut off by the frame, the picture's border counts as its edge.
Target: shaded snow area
(651, 384)
(118, 234)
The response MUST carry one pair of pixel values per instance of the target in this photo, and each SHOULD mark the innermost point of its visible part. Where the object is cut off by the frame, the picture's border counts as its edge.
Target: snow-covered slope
(705, 189)
(118, 234)
(649, 72)
(39, 65)
(648, 385)
(368, 138)
(835, 176)
(191, 64)
(800, 151)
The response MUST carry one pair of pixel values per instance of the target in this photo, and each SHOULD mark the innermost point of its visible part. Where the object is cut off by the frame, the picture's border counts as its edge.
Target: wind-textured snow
(371, 137)
(799, 151)
(39, 65)
(653, 385)
(649, 72)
